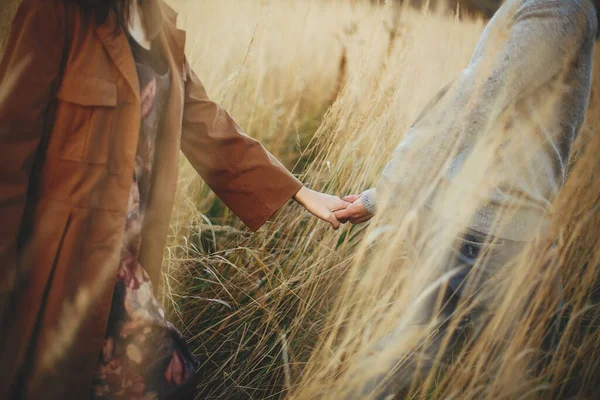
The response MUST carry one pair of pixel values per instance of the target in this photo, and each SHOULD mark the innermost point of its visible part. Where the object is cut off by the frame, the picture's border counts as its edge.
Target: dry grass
(330, 87)
(285, 312)
(6, 14)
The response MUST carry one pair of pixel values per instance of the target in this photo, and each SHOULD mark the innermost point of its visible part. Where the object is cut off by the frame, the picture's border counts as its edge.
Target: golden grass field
(329, 87)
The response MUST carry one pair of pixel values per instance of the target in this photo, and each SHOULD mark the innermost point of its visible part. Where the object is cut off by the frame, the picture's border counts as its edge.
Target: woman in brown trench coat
(86, 190)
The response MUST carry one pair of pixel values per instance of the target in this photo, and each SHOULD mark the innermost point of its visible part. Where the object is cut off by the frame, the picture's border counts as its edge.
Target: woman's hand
(355, 213)
(321, 205)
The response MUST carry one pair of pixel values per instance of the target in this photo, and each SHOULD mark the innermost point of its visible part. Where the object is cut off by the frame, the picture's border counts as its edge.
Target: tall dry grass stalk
(292, 310)
(332, 295)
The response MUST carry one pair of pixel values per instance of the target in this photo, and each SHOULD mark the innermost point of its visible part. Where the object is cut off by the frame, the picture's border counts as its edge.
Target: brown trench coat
(69, 125)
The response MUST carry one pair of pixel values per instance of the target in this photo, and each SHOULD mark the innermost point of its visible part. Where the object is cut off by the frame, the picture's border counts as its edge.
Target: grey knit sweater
(526, 89)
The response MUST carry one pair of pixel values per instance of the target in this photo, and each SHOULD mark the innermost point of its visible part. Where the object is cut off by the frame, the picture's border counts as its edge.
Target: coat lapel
(116, 44)
(164, 186)
(172, 41)
(174, 38)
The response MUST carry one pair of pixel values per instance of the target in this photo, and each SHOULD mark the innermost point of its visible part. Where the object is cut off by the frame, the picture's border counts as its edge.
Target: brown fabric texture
(69, 127)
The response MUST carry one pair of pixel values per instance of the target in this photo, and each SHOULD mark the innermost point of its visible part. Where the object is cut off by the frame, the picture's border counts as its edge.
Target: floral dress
(144, 356)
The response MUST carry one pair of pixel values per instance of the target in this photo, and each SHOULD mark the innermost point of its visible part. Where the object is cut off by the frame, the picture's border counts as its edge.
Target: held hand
(321, 205)
(356, 212)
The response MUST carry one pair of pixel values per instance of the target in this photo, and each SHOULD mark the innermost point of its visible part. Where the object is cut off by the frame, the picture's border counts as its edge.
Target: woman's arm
(29, 71)
(246, 177)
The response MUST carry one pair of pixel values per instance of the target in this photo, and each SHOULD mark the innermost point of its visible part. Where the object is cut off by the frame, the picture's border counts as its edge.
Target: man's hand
(321, 205)
(356, 212)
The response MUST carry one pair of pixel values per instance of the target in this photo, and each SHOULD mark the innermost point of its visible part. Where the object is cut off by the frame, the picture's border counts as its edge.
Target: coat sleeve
(245, 176)
(29, 70)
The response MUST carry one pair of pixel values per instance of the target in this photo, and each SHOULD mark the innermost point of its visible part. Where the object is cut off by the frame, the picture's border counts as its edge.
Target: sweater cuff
(369, 200)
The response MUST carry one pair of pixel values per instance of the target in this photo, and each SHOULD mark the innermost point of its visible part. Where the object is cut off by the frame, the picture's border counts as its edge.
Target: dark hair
(100, 11)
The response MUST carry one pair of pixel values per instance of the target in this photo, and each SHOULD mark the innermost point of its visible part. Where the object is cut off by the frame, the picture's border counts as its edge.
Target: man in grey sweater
(524, 95)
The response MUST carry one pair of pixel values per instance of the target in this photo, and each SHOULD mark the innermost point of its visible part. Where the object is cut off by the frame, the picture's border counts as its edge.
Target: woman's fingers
(352, 198)
(327, 204)
(322, 205)
(356, 213)
(343, 215)
(339, 204)
(335, 223)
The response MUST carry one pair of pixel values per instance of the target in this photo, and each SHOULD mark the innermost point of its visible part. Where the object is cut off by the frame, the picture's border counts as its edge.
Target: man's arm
(521, 50)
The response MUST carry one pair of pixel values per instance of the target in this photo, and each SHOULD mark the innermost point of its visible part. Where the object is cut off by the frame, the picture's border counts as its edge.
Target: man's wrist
(369, 200)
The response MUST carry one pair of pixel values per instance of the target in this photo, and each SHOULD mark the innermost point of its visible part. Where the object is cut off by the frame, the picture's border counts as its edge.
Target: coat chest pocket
(85, 119)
